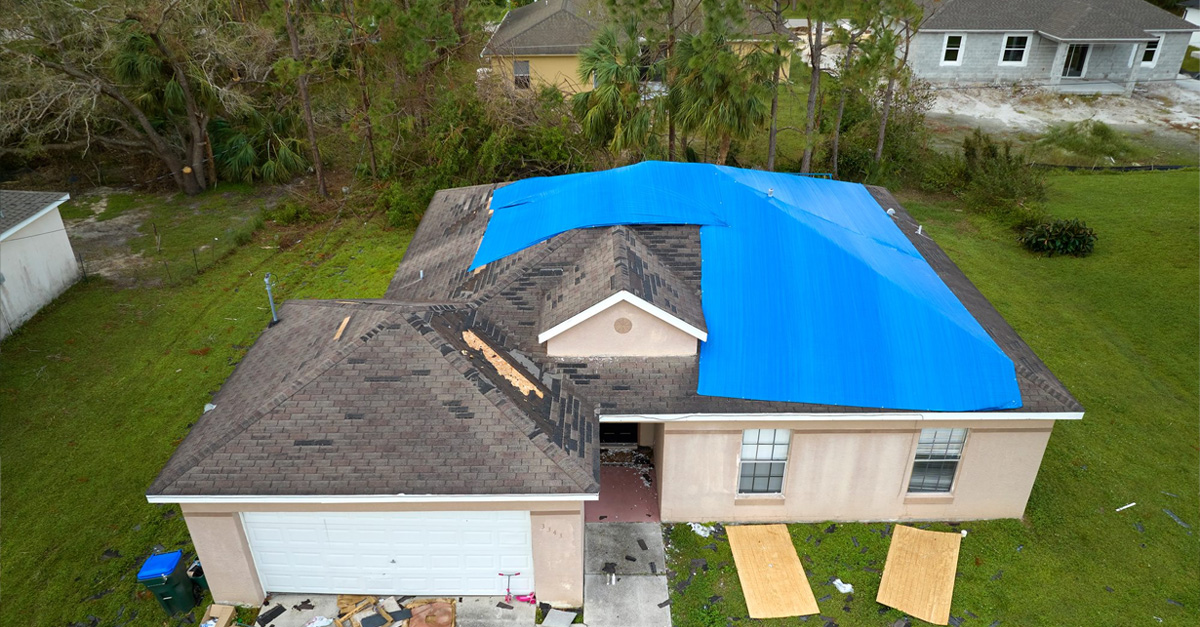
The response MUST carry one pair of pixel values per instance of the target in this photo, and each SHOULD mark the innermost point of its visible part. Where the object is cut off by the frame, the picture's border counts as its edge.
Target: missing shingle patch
(505, 369)
(313, 442)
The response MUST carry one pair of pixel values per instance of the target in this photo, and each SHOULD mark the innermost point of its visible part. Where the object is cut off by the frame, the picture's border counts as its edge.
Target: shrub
(291, 213)
(1088, 138)
(991, 178)
(404, 204)
(1060, 237)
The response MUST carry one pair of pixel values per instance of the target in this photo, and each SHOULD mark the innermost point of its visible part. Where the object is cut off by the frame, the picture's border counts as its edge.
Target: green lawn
(1120, 329)
(101, 385)
(1190, 63)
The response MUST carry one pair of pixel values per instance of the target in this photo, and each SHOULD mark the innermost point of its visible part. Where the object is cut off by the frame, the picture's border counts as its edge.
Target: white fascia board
(621, 296)
(334, 499)
(847, 417)
(27, 221)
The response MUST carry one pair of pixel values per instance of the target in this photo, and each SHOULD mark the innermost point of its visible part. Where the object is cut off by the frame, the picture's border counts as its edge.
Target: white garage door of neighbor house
(410, 553)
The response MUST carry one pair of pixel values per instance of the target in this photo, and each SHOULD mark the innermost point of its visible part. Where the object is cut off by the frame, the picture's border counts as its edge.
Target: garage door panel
(444, 553)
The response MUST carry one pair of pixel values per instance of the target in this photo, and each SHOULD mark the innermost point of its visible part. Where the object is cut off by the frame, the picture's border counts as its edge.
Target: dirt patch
(1164, 108)
(104, 245)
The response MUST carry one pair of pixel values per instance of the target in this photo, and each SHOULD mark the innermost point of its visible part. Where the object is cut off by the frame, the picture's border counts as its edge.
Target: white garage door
(410, 553)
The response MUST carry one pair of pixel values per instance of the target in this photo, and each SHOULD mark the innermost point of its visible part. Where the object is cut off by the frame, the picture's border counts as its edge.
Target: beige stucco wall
(561, 71)
(847, 471)
(596, 337)
(221, 545)
(38, 265)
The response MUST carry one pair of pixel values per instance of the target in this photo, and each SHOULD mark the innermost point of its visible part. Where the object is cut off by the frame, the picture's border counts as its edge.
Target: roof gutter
(41, 212)
(336, 499)
(892, 417)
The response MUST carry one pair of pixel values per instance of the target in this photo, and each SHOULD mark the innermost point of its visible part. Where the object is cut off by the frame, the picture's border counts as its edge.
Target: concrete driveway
(631, 554)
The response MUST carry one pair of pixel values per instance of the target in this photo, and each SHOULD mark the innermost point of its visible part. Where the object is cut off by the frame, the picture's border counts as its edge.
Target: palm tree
(615, 113)
(718, 92)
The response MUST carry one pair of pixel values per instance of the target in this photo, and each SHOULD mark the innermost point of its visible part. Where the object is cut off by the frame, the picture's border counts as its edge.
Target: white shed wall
(37, 264)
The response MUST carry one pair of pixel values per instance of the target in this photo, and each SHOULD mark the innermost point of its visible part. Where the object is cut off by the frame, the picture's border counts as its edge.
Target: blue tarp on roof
(811, 293)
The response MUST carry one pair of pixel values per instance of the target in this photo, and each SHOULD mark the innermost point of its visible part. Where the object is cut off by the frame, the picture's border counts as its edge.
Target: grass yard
(101, 385)
(1120, 329)
(1190, 63)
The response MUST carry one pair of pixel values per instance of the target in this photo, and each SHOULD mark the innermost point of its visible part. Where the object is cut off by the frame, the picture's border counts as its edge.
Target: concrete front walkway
(633, 555)
(626, 495)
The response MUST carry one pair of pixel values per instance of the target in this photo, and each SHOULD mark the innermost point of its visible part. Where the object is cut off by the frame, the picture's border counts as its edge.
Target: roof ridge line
(291, 389)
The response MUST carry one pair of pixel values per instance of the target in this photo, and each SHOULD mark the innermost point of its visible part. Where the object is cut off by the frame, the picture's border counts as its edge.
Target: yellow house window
(521, 74)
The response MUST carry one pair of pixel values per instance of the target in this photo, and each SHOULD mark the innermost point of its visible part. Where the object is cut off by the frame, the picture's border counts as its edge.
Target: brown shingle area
(395, 407)
(17, 206)
(619, 260)
(668, 384)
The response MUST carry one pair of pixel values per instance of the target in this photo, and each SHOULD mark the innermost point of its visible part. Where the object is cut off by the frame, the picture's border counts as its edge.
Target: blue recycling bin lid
(158, 566)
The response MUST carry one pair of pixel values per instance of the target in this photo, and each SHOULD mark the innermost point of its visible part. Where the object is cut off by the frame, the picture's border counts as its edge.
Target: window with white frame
(1150, 54)
(521, 74)
(764, 457)
(938, 454)
(952, 48)
(1016, 48)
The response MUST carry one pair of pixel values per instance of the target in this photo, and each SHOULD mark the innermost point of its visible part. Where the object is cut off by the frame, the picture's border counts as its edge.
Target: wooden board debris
(341, 329)
(773, 580)
(918, 576)
(506, 370)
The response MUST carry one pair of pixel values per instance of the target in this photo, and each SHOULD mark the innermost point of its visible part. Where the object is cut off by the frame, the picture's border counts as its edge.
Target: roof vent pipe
(891, 212)
(770, 192)
(271, 300)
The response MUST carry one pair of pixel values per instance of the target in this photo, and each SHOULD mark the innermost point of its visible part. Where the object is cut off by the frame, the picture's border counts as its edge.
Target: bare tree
(898, 25)
(305, 100)
(816, 12)
(147, 79)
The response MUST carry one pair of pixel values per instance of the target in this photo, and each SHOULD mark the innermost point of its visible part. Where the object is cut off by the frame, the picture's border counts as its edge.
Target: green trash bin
(195, 572)
(165, 576)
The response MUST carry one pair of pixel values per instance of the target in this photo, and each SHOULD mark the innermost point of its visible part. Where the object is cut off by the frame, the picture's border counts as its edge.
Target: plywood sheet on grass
(918, 577)
(773, 580)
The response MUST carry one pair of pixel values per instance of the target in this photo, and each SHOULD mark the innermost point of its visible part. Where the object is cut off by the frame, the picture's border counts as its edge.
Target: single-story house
(788, 348)
(1097, 46)
(538, 44)
(36, 260)
(1191, 15)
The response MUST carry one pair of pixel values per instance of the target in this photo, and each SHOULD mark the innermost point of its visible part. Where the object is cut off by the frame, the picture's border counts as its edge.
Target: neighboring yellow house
(538, 44)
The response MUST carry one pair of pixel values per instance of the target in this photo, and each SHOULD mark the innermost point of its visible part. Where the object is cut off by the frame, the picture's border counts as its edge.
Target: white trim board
(846, 417)
(627, 297)
(41, 212)
(334, 499)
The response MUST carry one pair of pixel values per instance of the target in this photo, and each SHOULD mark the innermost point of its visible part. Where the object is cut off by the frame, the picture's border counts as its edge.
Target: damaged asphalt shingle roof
(402, 404)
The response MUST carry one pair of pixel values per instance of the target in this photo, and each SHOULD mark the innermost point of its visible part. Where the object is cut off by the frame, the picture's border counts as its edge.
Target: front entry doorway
(1076, 62)
(617, 434)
